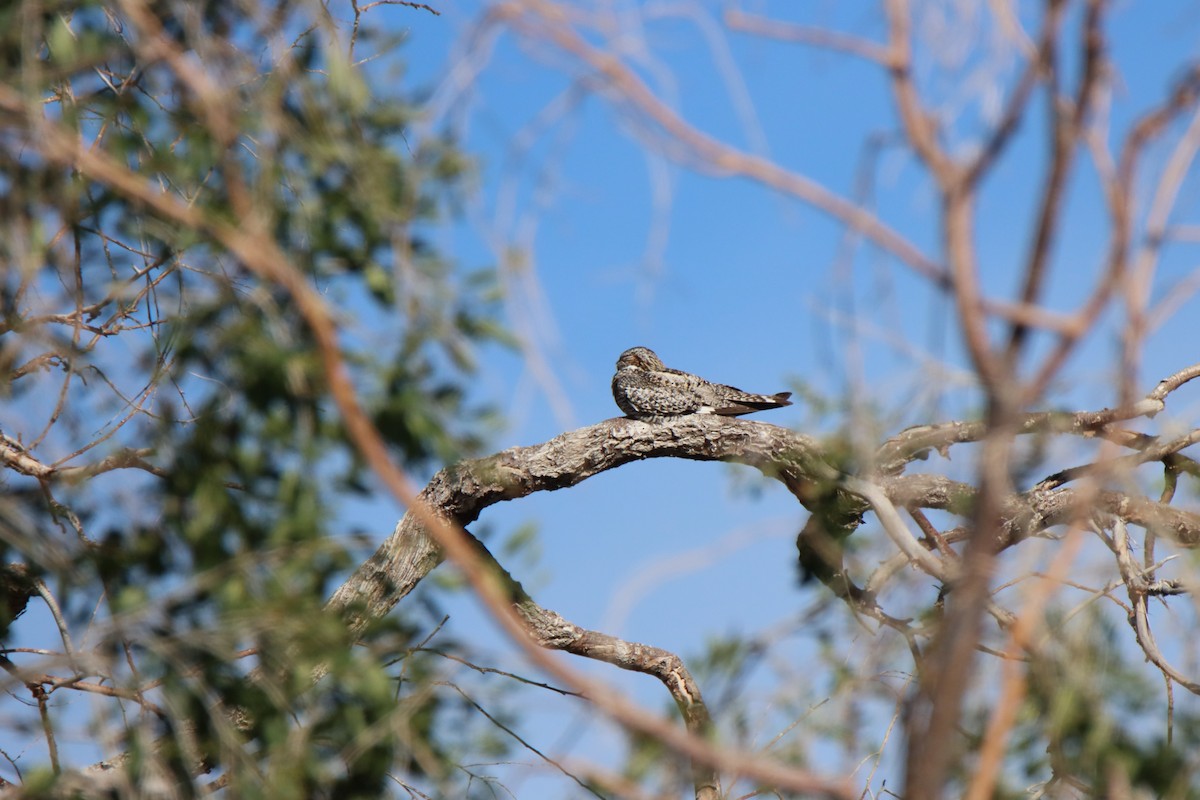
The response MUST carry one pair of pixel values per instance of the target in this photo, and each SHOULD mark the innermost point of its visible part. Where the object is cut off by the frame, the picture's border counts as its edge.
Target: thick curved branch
(458, 494)
(550, 630)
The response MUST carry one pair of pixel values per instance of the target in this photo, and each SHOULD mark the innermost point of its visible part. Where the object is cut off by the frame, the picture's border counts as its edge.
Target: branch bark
(460, 493)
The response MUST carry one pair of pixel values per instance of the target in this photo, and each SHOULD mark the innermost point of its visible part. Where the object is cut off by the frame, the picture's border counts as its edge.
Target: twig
(493, 671)
(1138, 590)
(1152, 450)
(52, 604)
(408, 3)
(521, 740)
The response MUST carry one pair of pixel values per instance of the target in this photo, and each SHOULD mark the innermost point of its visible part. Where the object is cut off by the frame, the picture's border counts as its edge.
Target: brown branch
(546, 22)
(957, 196)
(1015, 108)
(1119, 193)
(1145, 262)
(553, 632)
(739, 20)
(933, 537)
(1152, 449)
(1066, 123)
(40, 697)
(54, 683)
(919, 126)
(1030, 620)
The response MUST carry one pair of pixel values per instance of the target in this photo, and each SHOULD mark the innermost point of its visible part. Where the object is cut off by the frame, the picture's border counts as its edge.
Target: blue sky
(740, 274)
(721, 276)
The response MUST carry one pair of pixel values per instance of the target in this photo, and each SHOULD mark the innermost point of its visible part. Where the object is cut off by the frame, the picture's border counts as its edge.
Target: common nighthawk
(645, 389)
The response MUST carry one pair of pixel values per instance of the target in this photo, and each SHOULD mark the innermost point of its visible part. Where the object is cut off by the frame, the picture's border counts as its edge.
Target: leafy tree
(224, 315)
(174, 447)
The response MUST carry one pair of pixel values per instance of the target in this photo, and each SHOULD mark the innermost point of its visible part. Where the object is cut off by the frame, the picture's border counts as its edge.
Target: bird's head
(639, 358)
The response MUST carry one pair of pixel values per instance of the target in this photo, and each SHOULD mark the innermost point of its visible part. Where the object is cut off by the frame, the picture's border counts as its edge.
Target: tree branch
(460, 493)
(552, 631)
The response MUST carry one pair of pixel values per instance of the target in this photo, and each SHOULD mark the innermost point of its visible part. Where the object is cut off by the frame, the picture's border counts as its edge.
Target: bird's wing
(733, 402)
(662, 394)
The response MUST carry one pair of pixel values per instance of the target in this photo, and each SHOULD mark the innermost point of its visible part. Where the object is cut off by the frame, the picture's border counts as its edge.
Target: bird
(646, 389)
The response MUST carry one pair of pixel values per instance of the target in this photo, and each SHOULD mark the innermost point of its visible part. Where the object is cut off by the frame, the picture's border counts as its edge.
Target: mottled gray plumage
(646, 389)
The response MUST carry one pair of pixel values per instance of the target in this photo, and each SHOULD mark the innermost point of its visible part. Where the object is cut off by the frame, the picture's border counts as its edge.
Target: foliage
(175, 459)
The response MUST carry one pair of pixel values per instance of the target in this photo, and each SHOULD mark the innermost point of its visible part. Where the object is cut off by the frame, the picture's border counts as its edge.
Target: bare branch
(552, 631)
(1013, 688)
(1137, 587)
(919, 125)
(917, 442)
(1119, 187)
(546, 22)
(16, 457)
(1066, 122)
(460, 493)
(895, 528)
(739, 20)
(408, 3)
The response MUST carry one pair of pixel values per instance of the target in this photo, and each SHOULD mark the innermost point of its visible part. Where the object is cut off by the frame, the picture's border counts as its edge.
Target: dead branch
(551, 631)
(460, 493)
(739, 20)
